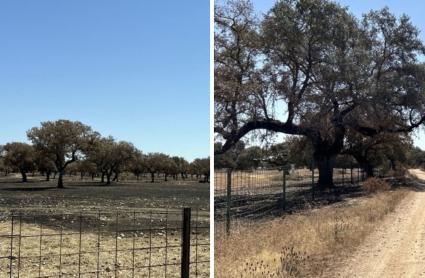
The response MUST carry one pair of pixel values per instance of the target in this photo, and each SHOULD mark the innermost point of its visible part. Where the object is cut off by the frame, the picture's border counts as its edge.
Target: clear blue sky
(137, 70)
(414, 8)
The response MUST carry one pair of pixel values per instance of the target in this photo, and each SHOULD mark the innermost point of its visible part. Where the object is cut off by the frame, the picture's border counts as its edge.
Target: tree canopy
(311, 68)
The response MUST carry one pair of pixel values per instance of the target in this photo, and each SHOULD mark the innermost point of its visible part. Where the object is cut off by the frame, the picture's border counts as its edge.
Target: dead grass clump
(300, 245)
(373, 185)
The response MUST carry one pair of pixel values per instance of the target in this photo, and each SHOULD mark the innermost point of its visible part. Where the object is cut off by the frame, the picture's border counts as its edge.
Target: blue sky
(414, 9)
(136, 70)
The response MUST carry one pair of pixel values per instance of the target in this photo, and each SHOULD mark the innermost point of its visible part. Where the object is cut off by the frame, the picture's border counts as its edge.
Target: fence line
(254, 193)
(169, 243)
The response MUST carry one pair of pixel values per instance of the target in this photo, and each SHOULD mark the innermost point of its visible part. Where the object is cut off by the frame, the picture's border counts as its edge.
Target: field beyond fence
(251, 194)
(142, 243)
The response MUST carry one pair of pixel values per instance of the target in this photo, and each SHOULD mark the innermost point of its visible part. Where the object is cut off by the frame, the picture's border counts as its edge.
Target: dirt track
(397, 247)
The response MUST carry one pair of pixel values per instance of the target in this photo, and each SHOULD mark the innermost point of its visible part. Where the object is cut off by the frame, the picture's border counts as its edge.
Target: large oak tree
(64, 140)
(310, 68)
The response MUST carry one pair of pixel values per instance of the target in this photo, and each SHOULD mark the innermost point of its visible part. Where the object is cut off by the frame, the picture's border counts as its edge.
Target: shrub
(375, 185)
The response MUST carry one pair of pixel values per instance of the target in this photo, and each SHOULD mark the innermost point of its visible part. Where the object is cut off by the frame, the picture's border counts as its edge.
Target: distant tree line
(64, 146)
(386, 152)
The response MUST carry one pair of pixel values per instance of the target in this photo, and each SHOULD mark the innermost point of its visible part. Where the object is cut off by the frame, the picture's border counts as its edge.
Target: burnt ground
(93, 195)
(41, 201)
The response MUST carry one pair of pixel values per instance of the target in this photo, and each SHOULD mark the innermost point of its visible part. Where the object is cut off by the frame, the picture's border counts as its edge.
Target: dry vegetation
(303, 244)
(150, 251)
(372, 185)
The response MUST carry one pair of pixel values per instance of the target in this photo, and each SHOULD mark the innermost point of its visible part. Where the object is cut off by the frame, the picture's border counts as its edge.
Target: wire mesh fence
(143, 243)
(255, 193)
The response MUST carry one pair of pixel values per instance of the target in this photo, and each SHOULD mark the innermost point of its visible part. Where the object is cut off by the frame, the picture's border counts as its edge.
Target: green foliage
(63, 140)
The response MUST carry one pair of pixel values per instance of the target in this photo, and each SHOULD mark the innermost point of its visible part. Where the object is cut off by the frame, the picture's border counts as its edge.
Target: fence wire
(256, 193)
(146, 243)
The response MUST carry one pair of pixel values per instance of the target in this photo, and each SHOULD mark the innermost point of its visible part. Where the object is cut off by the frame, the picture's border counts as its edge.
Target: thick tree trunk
(152, 177)
(102, 179)
(24, 176)
(165, 177)
(60, 179)
(368, 168)
(47, 176)
(325, 165)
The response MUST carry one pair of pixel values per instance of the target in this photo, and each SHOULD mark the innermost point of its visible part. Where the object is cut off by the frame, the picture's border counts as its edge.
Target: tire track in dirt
(397, 247)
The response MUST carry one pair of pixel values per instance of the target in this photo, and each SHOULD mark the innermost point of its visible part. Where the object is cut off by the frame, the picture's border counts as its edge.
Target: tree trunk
(102, 180)
(152, 177)
(165, 177)
(368, 168)
(47, 176)
(108, 178)
(365, 165)
(115, 177)
(24, 176)
(325, 165)
(60, 179)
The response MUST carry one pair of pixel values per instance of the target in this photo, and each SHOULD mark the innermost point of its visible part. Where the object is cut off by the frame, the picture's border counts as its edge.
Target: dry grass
(48, 264)
(301, 245)
(372, 185)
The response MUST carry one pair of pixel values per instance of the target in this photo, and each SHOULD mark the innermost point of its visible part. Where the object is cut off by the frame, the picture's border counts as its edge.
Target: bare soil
(397, 247)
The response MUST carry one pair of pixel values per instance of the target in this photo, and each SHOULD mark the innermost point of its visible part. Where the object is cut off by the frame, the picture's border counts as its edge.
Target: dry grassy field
(308, 242)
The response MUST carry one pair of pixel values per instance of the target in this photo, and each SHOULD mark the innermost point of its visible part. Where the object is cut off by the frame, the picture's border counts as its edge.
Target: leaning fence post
(185, 259)
(229, 199)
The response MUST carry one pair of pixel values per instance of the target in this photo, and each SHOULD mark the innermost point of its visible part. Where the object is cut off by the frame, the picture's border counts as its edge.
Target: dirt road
(397, 247)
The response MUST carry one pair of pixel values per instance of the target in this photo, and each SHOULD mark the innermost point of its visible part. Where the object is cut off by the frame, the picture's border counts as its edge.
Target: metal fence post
(185, 259)
(11, 246)
(312, 181)
(284, 190)
(358, 175)
(229, 199)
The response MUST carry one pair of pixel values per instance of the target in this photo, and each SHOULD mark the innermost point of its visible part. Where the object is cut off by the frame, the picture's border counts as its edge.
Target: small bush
(374, 185)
